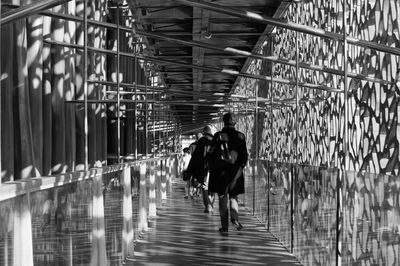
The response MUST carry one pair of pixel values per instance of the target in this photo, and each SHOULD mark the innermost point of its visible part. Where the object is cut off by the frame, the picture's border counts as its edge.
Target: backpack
(218, 153)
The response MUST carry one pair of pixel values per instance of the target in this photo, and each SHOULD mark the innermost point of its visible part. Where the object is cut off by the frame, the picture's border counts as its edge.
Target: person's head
(207, 131)
(229, 119)
(186, 150)
(198, 135)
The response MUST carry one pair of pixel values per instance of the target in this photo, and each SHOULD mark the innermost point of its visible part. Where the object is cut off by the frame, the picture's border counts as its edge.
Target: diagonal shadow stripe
(182, 234)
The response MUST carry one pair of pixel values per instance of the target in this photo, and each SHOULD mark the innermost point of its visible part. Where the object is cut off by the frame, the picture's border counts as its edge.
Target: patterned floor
(182, 234)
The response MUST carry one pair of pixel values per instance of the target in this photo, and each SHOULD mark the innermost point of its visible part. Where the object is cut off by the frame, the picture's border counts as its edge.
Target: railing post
(142, 198)
(168, 174)
(152, 191)
(158, 182)
(127, 223)
(292, 174)
(23, 250)
(99, 255)
(174, 169)
(163, 179)
(338, 202)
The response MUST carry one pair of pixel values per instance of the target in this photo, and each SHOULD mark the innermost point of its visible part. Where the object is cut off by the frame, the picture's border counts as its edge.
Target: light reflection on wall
(81, 222)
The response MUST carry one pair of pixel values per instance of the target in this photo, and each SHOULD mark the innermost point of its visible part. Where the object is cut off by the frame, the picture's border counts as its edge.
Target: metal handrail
(12, 189)
(28, 10)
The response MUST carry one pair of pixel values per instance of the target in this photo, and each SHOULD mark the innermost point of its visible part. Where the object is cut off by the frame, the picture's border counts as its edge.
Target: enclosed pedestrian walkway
(130, 215)
(98, 98)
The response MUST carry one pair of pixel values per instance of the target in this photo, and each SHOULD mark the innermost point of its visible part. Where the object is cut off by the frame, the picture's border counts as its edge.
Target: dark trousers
(224, 210)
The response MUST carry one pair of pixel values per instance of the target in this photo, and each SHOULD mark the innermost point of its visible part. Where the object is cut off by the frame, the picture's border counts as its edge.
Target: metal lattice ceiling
(188, 44)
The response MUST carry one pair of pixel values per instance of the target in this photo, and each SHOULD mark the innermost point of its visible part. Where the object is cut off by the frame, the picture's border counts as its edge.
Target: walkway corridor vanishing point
(182, 234)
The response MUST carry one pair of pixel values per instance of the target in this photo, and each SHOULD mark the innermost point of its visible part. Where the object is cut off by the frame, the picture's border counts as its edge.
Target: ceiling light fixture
(206, 33)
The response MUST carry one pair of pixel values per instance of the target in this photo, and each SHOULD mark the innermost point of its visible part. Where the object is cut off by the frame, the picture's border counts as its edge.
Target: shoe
(186, 196)
(237, 224)
(223, 231)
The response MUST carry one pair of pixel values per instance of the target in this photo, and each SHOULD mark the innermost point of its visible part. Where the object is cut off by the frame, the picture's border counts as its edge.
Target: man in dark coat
(227, 158)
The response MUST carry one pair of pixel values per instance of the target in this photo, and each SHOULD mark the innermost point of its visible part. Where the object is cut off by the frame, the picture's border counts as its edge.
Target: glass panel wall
(87, 218)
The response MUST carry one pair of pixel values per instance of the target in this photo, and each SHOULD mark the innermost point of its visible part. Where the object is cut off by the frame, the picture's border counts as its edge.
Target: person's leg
(234, 210)
(204, 193)
(191, 188)
(187, 188)
(211, 199)
(207, 199)
(224, 211)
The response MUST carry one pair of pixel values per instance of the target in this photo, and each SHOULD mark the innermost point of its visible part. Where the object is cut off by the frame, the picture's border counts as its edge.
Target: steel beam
(216, 33)
(208, 68)
(248, 54)
(239, 74)
(28, 10)
(290, 25)
(227, 50)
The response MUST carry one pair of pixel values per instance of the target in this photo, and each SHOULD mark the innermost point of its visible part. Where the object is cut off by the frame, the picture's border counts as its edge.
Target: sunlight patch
(253, 15)
(26, 172)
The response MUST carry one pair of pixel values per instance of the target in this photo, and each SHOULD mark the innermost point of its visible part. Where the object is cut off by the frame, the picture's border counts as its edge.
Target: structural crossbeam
(290, 25)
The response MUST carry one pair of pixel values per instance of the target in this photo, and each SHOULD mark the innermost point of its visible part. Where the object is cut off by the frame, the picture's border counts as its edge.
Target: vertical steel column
(246, 133)
(154, 119)
(169, 121)
(146, 133)
(85, 86)
(346, 91)
(341, 177)
(165, 118)
(135, 127)
(296, 149)
(255, 163)
(118, 92)
(176, 136)
(159, 117)
(159, 160)
(272, 132)
(1, 79)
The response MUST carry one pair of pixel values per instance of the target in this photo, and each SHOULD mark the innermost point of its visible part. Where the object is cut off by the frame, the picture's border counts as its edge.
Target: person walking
(192, 145)
(199, 167)
(227, 158)
(184, 171)
(193, 184)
